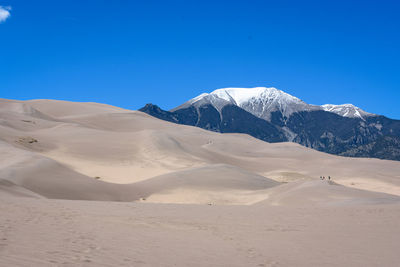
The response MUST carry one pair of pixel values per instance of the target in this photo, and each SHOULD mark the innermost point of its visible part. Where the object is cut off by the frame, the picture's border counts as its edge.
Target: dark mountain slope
(232, 119)
(375, 136)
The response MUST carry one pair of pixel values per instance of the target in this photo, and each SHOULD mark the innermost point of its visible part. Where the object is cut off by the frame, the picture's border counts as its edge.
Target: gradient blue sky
(129, 53)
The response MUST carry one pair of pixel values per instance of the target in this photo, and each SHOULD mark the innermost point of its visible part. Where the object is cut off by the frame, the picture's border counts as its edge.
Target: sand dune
(212, 184)
(268, 205)
(11, 189)
(41, 176)
(324, 193)
(77, 142)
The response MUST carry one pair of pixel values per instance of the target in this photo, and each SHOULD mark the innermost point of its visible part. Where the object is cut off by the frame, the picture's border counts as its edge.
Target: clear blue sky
(129, 53)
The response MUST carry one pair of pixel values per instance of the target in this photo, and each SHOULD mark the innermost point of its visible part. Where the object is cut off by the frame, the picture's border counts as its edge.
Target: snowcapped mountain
(272, 115)
(262, 101)
(347, 110)
(259, 101)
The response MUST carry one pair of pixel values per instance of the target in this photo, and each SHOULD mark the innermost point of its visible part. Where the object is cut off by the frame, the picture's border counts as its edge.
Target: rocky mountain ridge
(272, 115)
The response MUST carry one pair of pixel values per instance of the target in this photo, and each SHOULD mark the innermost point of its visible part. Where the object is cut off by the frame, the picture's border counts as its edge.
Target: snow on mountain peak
(262, 101)
(346, 110)
(243, 95)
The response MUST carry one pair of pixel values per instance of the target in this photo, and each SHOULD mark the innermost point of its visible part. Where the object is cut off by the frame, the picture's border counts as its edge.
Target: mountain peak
(262, 101)
(242, 95)
(347, 110)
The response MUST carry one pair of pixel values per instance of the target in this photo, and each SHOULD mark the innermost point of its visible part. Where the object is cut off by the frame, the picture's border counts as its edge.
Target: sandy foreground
(87, 184)
(41, 232)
